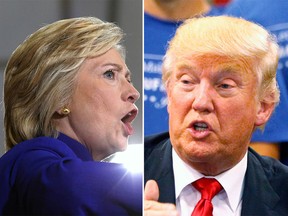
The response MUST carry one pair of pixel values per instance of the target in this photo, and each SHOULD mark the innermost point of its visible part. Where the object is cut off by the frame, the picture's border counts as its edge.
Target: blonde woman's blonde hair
(40, 75)
(242, 43)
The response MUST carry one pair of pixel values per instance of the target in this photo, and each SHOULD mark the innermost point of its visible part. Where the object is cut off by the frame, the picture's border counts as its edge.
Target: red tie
(208, 187)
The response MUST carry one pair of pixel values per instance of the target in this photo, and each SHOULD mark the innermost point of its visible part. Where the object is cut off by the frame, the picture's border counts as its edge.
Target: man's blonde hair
(40, 75)
(243, 43)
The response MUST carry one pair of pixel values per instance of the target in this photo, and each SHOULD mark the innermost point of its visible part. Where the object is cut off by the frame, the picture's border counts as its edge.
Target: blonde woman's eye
(109, 74)
(129, 80)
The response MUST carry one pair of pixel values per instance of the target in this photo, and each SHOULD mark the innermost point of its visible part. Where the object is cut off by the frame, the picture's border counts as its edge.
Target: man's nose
(203, 101)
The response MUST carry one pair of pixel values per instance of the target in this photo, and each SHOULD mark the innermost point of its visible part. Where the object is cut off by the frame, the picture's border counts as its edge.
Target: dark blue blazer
(48, 176)
(266, 180)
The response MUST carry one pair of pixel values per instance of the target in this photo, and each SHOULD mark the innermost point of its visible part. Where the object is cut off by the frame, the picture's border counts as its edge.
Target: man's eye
(225, 86)
(186, 82)
(109, 74)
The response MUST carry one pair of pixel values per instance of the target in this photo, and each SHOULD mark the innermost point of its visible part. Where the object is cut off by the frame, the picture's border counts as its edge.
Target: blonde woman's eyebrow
(128, 74)
(119, 68)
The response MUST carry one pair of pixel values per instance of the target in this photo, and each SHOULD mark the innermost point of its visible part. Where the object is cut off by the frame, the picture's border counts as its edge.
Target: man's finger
(156, 206)
(151, 191)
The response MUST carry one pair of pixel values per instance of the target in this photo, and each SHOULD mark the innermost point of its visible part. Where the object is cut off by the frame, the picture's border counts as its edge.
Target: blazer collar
(79, 149)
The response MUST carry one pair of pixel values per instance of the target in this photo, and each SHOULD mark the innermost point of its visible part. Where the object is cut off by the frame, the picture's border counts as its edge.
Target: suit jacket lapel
(161, 170)
(259, 198)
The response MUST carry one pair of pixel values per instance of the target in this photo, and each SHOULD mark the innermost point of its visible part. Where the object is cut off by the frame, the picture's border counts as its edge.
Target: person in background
(220, 77)
(60, 90)
(161, 19)
(273, 141)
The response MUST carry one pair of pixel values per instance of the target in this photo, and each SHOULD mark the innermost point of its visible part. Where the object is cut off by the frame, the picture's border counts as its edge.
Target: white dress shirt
(228, 202)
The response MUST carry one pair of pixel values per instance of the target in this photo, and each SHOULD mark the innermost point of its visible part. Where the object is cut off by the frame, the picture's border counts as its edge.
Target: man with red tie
(220, 78)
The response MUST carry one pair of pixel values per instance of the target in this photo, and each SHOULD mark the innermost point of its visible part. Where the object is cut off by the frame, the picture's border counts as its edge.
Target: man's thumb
(151, 191)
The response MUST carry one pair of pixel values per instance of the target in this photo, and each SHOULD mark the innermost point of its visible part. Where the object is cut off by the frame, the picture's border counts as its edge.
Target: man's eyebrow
(183, 65)
(225, 68)
(228, 70)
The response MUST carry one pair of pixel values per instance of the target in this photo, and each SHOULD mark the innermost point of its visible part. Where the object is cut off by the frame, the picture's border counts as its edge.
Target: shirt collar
(231, 180)
(80, 150)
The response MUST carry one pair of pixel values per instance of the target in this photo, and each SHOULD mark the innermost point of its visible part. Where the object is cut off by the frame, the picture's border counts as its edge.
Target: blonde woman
(69, 103)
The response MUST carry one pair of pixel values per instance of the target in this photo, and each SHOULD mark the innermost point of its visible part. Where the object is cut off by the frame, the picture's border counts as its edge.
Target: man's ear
(264, 112)
(168, 104)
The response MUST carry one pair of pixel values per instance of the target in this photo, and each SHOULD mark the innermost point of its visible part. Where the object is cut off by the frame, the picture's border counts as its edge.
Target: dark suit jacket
(266, 180)
(48, 176)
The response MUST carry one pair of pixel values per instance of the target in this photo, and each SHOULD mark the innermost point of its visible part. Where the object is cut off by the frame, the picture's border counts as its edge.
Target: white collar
(231, 180)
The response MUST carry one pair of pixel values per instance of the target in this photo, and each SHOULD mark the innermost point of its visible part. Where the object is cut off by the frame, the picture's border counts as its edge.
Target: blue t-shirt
(157, 33)
(272, 15)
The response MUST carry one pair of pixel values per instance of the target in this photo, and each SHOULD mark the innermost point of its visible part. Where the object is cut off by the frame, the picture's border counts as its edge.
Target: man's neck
(176, 9)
